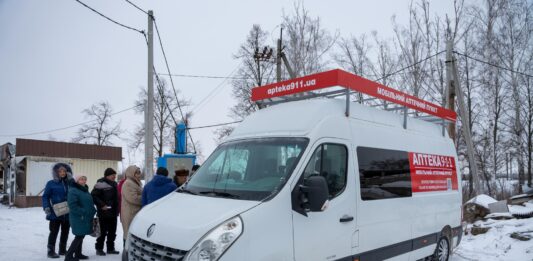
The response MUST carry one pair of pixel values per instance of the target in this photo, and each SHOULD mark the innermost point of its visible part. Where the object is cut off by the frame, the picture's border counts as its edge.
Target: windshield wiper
(184, 190)
(219, 194)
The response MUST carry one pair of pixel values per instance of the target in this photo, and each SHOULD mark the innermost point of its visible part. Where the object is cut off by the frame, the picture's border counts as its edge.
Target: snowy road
(24, 232)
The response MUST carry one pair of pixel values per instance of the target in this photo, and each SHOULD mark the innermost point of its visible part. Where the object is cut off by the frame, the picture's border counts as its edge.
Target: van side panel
(384, 222)
(416, 220)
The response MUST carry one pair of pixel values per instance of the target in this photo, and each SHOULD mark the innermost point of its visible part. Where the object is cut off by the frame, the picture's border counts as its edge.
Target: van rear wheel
(442, 253)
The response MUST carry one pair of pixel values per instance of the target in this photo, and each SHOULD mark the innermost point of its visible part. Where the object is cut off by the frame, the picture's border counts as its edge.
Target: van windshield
(248, 169)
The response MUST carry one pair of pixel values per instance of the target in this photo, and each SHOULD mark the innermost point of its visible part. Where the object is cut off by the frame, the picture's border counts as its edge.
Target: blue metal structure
(180, 158)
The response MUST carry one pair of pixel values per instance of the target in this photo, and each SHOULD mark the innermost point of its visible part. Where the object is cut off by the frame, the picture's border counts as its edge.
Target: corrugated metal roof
(26, 147)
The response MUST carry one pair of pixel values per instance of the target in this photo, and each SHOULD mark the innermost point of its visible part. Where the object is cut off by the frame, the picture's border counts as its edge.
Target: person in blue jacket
(55, 192)
(82, 211)
(158, 187)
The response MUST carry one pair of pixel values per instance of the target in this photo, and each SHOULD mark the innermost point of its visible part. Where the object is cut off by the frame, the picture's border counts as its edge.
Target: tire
(442, 252)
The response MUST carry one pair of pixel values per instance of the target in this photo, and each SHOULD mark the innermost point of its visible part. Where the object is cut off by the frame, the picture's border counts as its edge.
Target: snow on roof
(482, 200)
(521, 210)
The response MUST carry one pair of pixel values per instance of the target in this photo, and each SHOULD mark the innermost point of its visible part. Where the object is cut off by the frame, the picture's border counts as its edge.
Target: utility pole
(278, 56)
(454, 88)
(149, 110)
(450, 97)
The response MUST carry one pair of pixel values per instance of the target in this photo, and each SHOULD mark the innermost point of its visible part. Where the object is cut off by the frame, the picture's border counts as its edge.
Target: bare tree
(253, 71)
(513, 34)
(308, 42)
(100, 130)
(166, 116)
(353, 56)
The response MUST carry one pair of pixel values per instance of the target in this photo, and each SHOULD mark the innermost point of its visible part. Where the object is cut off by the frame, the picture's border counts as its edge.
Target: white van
(315, 179)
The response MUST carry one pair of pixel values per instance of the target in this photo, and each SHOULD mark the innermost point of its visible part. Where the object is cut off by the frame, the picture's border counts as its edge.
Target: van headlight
(213, 245)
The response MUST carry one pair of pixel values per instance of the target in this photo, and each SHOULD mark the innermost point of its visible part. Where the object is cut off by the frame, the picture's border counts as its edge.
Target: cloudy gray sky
(58, 58)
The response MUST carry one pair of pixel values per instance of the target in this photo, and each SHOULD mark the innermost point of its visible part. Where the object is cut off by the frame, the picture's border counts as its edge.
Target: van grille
(142, 250)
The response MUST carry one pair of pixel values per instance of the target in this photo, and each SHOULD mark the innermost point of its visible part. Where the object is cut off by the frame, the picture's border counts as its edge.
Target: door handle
(346, 218)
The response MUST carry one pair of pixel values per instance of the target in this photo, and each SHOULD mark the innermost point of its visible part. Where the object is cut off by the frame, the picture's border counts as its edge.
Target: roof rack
(342, 83)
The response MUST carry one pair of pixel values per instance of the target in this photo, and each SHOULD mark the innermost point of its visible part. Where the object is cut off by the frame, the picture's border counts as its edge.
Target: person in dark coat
(158, 187)
(105, 197)
(81, 205)
(181, 176)
(55, 192)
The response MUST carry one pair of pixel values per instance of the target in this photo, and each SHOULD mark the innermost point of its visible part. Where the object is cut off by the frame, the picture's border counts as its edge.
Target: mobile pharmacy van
(311, 177)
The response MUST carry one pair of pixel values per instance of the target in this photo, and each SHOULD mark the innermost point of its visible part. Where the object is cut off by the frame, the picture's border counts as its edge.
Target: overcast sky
(58, 58)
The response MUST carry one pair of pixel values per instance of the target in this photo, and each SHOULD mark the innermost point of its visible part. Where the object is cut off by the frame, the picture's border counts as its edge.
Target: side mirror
(316, 193)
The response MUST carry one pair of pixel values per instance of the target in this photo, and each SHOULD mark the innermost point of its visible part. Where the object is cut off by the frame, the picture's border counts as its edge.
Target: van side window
(329, 161)
(383, 173)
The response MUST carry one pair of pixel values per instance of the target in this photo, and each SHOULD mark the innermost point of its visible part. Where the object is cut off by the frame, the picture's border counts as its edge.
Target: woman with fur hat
(131, 196)
(81, 205)
(55, 192)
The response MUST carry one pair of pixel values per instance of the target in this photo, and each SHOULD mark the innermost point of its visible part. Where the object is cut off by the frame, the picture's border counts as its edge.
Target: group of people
(108, 200)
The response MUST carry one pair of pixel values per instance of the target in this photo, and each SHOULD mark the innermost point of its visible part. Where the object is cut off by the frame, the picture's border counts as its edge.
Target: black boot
(78, 255)
(100, 252)
(62, 250)
(113, 252)
(52, 252)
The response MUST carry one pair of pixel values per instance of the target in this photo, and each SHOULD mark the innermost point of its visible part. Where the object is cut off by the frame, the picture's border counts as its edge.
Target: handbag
(96, 228)
(61, 208)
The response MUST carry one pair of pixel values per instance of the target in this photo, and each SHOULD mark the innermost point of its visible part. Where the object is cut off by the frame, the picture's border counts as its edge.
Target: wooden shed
(36, 157)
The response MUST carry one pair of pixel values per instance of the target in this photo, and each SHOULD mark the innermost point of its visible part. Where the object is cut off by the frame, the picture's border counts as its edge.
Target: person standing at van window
(56, 192)
(158, 187)
(81, 205)
(131, 197)
(105, 198)
(181, 176)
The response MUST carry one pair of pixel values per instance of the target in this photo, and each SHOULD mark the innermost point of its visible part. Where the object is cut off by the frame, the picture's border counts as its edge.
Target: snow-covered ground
(497, 244)
(24, 232)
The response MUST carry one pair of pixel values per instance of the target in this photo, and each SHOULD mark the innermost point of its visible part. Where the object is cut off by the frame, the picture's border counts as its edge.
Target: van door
(326, 235)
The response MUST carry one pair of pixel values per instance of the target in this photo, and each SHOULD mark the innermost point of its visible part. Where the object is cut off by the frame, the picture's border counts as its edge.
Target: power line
(494, 65)
(214, 125)
(214, 91)
(206, 76)
(138, 8)
(409, 66)
(171, 80)
(106, 17)
(399, 70)
(68, 127)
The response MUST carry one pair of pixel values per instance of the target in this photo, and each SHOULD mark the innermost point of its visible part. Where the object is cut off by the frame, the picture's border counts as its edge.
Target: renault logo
(150, 230)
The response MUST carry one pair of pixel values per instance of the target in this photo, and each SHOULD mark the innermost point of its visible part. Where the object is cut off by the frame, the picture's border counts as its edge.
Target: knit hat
(109, 172)
(77, 177)
(162, 171)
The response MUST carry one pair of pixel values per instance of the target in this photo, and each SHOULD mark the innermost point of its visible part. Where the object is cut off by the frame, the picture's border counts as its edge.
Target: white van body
(396, 228)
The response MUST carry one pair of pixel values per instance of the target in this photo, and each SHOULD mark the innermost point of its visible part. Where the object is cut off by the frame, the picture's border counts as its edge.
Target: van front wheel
(442, 253)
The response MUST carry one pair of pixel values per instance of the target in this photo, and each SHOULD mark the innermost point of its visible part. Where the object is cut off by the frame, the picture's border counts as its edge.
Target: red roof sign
(353, 82)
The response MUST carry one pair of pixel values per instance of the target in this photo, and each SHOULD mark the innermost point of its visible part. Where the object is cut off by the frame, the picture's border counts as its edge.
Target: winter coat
(131, 199)
(157, 188)
(56, 191)
(81, 205)
(105, 194)
(119, 189)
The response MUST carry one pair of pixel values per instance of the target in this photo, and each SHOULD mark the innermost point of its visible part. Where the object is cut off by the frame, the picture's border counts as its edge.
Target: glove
(47, 211)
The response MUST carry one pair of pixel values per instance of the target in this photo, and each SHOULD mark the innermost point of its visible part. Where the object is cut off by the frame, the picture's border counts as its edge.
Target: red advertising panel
(347, 80)
(383, 92)
(432, 172)
(297, 85)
